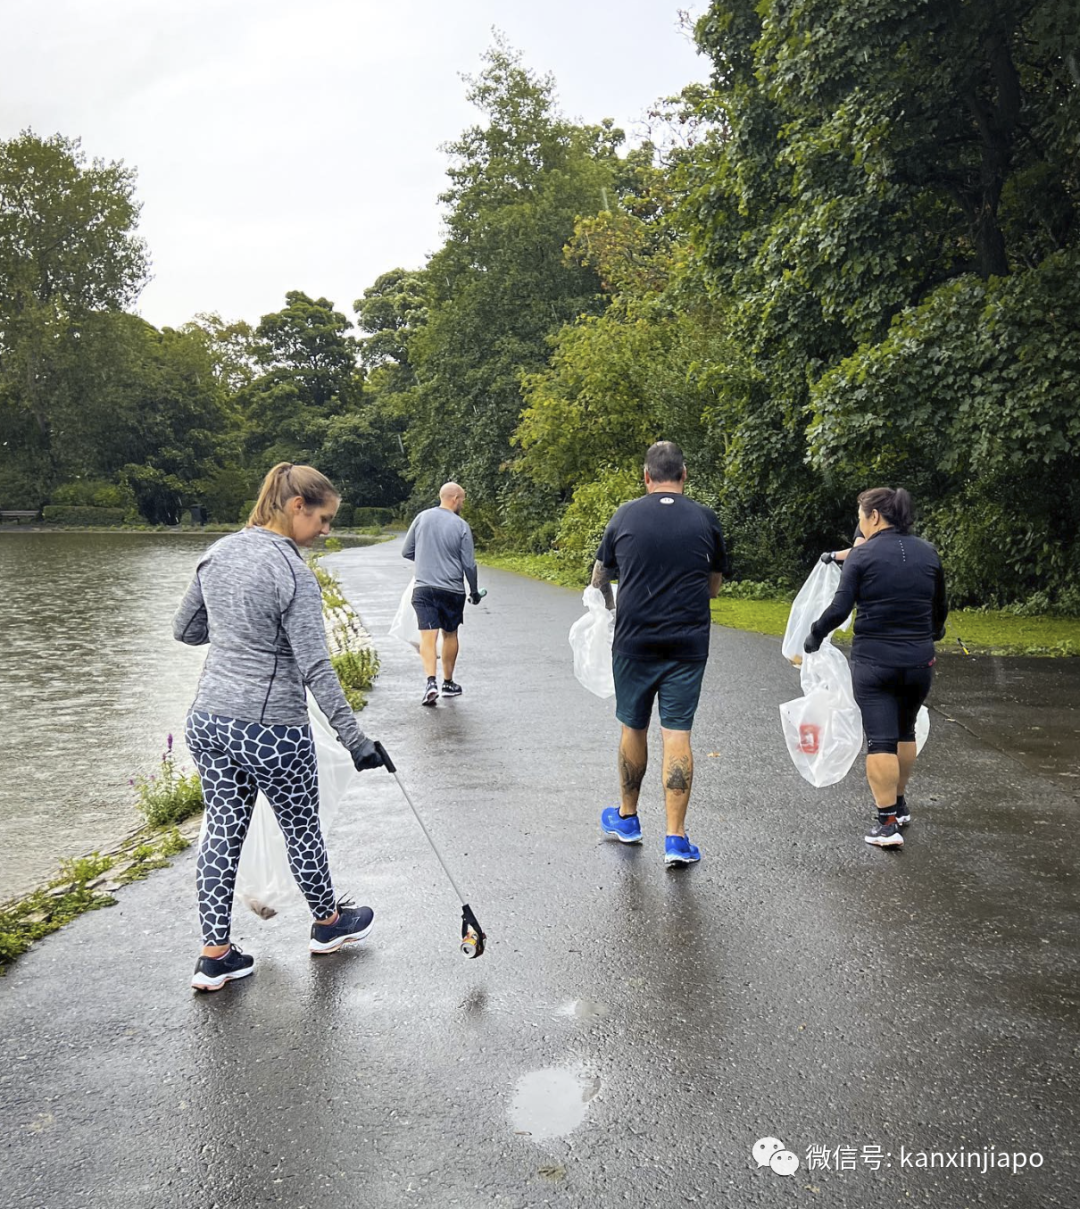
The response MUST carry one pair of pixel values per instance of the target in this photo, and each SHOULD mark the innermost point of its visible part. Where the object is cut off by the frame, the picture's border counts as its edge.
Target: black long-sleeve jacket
(896, 583)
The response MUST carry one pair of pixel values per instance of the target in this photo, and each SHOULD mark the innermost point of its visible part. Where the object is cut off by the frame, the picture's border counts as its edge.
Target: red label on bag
(809, 738)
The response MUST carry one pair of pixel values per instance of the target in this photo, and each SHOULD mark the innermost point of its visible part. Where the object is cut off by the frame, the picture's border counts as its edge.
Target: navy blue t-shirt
(662, 549)
(896, 584)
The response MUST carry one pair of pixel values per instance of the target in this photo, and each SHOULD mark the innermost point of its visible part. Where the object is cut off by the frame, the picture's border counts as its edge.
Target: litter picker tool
(472, 935)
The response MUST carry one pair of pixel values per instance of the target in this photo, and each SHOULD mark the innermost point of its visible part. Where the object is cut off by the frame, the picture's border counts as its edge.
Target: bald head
(451, 495)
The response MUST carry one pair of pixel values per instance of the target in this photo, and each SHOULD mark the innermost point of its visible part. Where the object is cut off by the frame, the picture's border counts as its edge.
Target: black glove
(828, 557)
(477, 597)
(366, 757)
(811, 644)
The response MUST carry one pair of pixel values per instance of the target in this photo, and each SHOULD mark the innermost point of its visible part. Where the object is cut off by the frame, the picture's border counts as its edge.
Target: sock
(901, 805)
(883, 816)
(431, 680)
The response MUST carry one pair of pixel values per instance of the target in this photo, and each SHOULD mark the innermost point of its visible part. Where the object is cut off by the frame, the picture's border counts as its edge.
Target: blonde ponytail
(283, 483)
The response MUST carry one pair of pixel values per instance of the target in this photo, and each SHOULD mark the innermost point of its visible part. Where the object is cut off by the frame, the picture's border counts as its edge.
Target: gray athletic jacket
(258, 605)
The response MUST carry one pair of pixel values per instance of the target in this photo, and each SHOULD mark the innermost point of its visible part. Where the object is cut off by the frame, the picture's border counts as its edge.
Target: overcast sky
(287, 145)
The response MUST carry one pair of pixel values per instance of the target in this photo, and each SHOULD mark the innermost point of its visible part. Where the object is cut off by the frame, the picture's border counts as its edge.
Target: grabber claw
(472, 935)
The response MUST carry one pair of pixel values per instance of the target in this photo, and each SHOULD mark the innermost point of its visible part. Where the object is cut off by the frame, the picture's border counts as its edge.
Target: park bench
(18, 515)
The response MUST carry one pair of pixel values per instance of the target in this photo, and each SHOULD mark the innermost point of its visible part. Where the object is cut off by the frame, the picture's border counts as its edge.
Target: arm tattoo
(600, 580)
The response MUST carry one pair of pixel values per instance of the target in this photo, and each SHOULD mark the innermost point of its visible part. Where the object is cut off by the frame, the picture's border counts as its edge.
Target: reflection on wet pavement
(551, 1103)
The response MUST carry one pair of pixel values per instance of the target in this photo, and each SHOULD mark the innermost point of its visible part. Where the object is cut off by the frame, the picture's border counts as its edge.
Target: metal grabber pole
(472, 935)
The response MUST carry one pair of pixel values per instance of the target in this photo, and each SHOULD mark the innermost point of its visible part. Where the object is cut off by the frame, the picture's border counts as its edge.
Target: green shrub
(593, 505)
(344, 517)
(169, 796)
(245, 511)
(93, 493)
(77, 514)
(364, 517)
(357, 671)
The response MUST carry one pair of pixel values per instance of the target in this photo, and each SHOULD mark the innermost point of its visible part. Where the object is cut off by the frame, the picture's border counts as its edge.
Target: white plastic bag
(264, 880)
(823, 728)
(922, 728)
(404, 625)
(813, 599)
(590, 640)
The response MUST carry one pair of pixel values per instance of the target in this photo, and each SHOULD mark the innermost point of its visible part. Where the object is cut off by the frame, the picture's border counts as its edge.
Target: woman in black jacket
(896, 584)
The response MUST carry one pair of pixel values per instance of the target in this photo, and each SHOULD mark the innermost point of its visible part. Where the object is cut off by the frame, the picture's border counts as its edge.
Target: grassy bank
(84, 884)
(991, 631)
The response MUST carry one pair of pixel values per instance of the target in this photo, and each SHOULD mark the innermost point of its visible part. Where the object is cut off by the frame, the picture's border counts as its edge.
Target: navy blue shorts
(674, 683)
(889, 699)
(437, 609)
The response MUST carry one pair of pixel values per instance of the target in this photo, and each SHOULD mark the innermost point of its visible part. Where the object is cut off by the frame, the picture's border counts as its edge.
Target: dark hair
(664, 462)
(893, 503)
(284, 482)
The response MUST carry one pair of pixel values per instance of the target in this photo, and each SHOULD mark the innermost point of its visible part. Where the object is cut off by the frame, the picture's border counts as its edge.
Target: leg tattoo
(679, 775)
(630, 775)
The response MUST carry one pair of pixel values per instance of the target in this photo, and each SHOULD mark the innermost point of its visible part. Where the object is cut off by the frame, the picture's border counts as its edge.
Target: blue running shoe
(352, 924)
(678, 851)
(626, 830)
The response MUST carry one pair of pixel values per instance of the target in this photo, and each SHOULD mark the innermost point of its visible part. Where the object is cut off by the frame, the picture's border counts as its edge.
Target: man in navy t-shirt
(667, 552)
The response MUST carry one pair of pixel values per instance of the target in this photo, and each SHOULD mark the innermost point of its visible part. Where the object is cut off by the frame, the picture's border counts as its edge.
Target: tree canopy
(850, 260)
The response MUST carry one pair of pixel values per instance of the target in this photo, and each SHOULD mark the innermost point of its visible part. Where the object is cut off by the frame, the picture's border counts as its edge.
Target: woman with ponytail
(257, 603)
(896, 584)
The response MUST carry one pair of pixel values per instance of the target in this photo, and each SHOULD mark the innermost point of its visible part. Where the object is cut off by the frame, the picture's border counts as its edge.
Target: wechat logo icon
(771, 1152)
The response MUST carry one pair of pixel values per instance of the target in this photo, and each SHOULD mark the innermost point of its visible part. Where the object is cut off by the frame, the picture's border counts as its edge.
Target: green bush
(93, 493)
(593, 505)
(75, 514)
(245, 511)
(344, 518)
(357, 671)
(364, 517)
(168, 796)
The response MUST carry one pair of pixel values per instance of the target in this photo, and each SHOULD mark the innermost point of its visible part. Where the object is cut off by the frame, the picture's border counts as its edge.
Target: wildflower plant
(170, 795)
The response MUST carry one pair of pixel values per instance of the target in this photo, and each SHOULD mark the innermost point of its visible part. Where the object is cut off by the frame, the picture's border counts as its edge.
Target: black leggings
(889, 698)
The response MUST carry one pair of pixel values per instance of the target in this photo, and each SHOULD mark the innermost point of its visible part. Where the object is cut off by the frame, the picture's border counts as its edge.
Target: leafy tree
(500, 284)
(865, 157)
(68, 255)
(391, 310)
(306, 344)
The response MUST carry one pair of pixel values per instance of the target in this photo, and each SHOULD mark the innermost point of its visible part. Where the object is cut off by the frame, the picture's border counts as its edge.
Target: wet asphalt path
(631, 1032)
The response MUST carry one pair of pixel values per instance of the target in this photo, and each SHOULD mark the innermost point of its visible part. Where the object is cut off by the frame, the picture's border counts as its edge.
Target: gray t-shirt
(441, 545)
(258, 605)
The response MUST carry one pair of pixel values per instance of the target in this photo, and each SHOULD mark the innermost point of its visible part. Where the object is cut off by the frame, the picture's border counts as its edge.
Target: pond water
(91, 682)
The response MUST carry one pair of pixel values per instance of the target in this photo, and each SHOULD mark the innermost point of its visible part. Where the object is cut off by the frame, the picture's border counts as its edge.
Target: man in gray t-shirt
(440, 543)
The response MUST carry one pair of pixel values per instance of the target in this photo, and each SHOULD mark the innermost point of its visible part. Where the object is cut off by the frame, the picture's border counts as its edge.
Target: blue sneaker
(352, 924)
(678, 851)
(626, 830)
(212, 973)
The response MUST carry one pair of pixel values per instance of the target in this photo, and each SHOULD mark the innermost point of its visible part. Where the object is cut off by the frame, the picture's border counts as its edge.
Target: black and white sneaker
(212, 973)
(352, 924)
(903, 815)
(431, 693)
(885, 835)
(450, 688)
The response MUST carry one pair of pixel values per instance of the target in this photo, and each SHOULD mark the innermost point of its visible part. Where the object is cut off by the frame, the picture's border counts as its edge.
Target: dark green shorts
(674, 683)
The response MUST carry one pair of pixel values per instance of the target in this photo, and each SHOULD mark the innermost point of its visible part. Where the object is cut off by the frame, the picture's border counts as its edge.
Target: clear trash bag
(264, 881)
(922, 728)
(404, 625)
(823, 727)
(813, 599)
(590, 640)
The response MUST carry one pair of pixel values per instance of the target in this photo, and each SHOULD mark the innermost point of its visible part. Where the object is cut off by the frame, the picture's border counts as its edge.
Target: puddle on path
(553, 1102)
(583, 1009)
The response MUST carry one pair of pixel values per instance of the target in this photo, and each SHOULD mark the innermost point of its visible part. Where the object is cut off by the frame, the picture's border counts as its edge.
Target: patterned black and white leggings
(235, 760)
